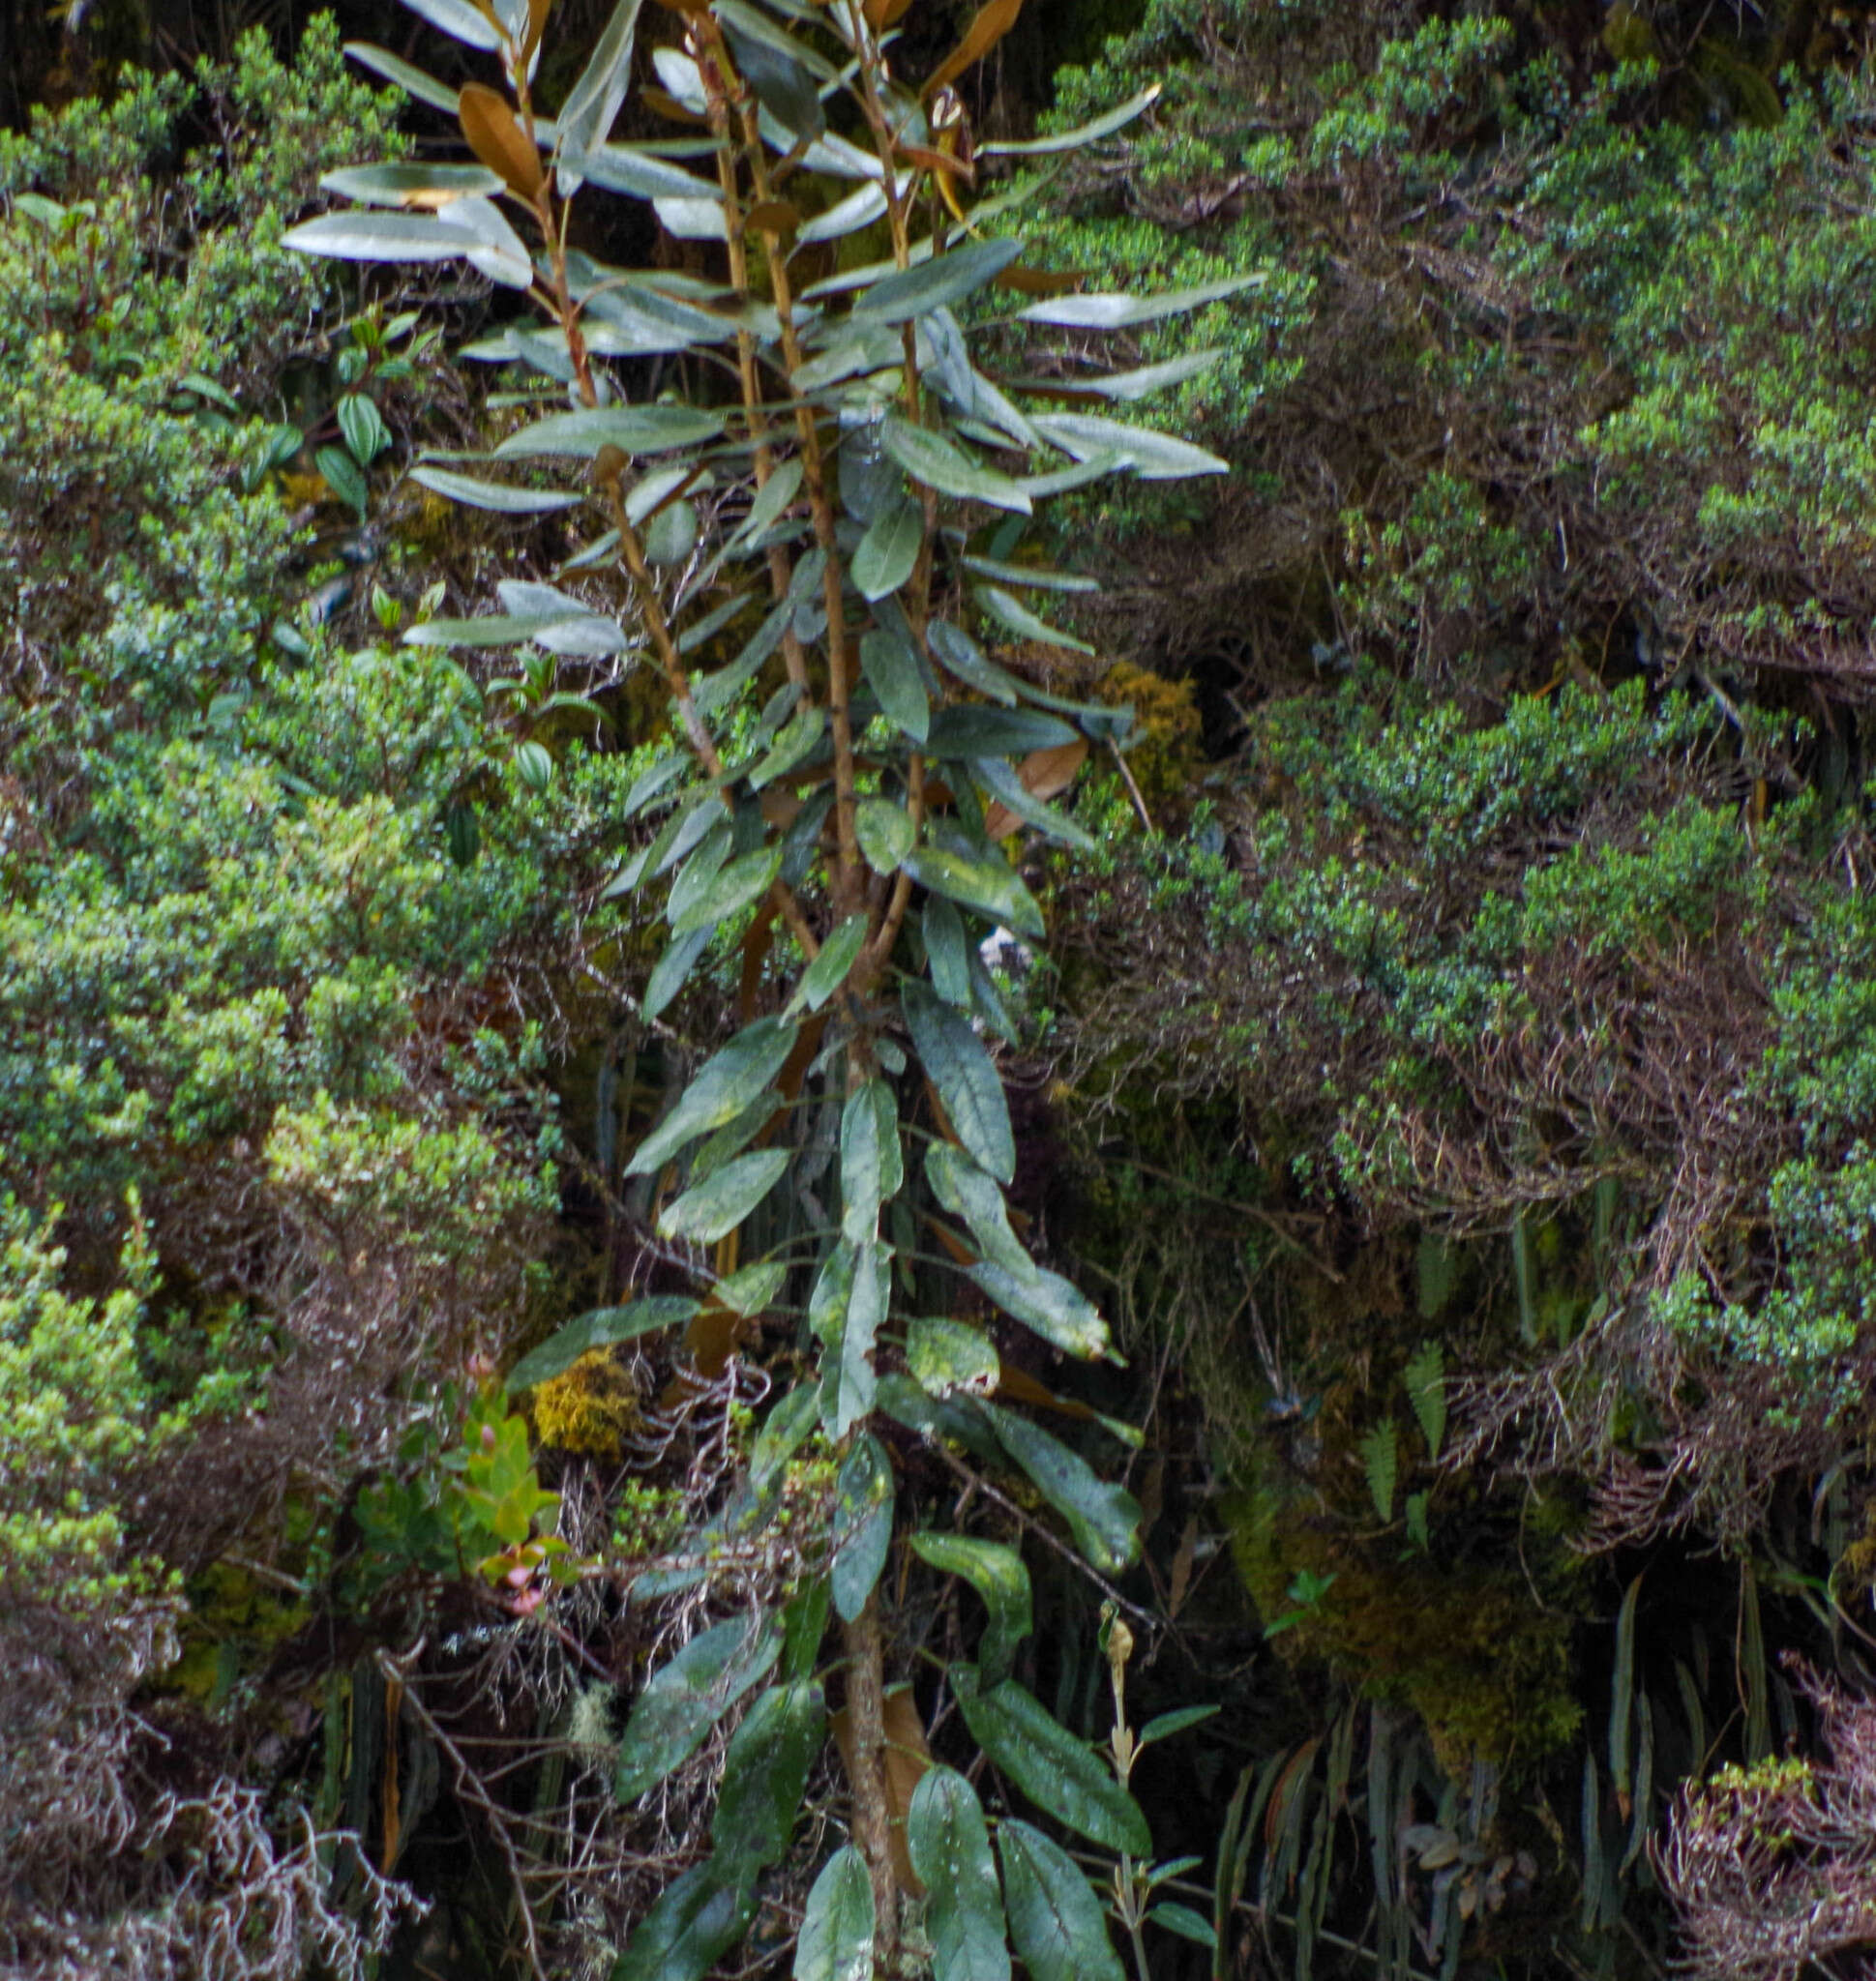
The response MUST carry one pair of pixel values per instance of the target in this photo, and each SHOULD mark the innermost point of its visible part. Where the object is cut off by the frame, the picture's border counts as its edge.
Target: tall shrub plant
(839, 471)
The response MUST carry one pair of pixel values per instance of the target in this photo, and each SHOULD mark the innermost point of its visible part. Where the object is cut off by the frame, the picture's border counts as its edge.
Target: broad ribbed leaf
(837, 1928)
(726, 1084)
(692, 1924)
(603, 1328)
(717, 1205)
(763, 1774)
(1055, 1768)
(1056, 1922)
(944, 280)
(998, 1574)
(936, 462)
(892, 673)
(993, 891)
(965, 1081)
(1104, 311)
(684, 1699)
(950, 1851)
(863, 1504)
(633, 429)
(1104, 1518)
(887, 552)
(475, 494)
(830, 968)
(1030, 575)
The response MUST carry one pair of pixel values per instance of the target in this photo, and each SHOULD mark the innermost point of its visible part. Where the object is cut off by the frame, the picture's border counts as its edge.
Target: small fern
(1426, 1377)
(1381, 1449)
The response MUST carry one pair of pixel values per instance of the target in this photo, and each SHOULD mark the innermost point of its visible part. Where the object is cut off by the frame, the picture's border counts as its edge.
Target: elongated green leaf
(848, 350)
(499, 629)
(603, 1328)
(947, 951)
(846, 216)
(830, 969)
(972, 732)
(790, 103)
(1622, 1691)
(993, 891)
(1153, 457)
(376, 237)
(726, 1084)
(1055, 1308)
(892, 673)
(945, 1357)
(887, 552)
(863, 1504)
(684, 1699)
(1163, 1725)
(426, 89)
(1104, 1518)
(837, 1928)
(1056, 1920)
(1125, 312)
(672, 971)
(410, 185)
(1381, 1457)
(966, 1081)
(786, 1429)
(936, 462)
(799, 736)
(844, 1310)
(638, 174)
(950, 1851)
(725, 1198)
(1184, 1921)
(475, 494)
(1425, 1378)
(1091, 132)
(960, 655)
(754, 1288)
(592, 103)
(459, 20)
(1013, 613)
(885, 833)
(743, 880)
(633, 429)
(1029, 574)
(963, 1190)
(763, 1774)
(493, 248)
(692, 1924)
(1010, 790)
(938, 284)
(872, 1168)
(1145, 379)
(771, 499)
(998, 1574)
(1057, 1770)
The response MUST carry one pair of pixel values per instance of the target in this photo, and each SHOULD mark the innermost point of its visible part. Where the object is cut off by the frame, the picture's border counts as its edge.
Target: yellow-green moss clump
(1466, 1647)
(591, 1408)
